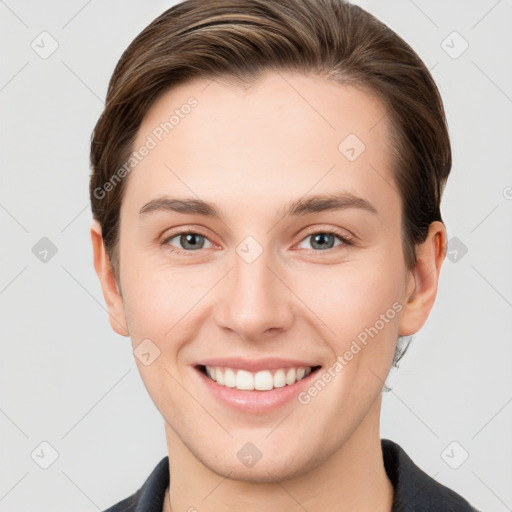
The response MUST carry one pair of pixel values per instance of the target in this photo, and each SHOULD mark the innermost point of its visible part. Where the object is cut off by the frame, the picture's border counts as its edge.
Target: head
(249, 109)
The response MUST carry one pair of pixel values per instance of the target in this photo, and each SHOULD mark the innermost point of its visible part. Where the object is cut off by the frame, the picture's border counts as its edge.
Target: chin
(276, 466)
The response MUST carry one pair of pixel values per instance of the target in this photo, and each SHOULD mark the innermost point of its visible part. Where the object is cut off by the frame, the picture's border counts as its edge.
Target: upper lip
(256, 365)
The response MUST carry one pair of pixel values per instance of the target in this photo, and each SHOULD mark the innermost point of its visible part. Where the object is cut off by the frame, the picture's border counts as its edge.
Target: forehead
(285, 134)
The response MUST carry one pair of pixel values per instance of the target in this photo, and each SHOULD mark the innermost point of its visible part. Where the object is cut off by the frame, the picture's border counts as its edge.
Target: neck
(352, 479)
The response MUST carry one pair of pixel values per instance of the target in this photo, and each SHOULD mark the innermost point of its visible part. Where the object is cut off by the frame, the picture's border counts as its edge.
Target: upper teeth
(260, 381)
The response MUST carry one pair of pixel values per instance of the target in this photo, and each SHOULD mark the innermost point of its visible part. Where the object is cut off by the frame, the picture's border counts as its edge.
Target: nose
(255, 302)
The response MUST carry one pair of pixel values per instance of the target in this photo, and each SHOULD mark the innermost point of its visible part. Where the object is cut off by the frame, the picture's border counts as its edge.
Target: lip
(256, 365)
(254, 402)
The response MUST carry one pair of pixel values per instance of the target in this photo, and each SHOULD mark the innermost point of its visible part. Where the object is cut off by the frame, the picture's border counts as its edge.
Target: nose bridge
(255, 300)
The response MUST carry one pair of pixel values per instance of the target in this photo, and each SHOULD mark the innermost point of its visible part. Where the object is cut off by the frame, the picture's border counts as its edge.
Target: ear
(108, 283)
(422, 286)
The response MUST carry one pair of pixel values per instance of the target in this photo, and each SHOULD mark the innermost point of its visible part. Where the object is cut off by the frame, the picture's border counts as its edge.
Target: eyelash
(342, 237)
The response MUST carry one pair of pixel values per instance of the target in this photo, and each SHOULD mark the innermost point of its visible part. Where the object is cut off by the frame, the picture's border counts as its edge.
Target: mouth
(254, 386)
(262, 380)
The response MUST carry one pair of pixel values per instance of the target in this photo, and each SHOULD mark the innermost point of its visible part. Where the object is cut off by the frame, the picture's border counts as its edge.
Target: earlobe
(108, 282)
(424, 276)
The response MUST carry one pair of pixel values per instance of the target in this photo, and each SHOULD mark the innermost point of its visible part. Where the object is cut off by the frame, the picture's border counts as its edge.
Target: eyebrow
(300, 207)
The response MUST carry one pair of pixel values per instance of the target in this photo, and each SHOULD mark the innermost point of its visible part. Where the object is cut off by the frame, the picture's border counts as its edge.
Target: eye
(325, 240)
(189, 241)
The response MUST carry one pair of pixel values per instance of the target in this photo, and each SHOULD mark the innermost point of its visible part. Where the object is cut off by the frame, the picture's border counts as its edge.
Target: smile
(263, 380)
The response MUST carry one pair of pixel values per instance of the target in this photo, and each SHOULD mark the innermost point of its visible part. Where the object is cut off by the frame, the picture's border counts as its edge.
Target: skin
(251, 151)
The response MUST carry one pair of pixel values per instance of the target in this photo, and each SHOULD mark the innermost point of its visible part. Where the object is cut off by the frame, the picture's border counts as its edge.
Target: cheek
(160, 313)
(361, 311)
(155, 295)
(355, 297)
(169, 307)
(154, 304)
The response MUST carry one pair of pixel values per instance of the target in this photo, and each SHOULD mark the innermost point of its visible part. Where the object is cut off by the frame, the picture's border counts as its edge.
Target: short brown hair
(238, 40)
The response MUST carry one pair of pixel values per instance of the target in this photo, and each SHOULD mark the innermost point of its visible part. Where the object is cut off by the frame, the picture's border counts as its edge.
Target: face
(292, 277)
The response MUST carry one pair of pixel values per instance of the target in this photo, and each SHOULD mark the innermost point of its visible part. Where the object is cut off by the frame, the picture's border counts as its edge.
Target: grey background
(67, 379)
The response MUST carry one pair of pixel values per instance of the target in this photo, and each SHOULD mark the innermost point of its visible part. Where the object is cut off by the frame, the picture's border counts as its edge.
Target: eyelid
(345, 236)
(183, 230)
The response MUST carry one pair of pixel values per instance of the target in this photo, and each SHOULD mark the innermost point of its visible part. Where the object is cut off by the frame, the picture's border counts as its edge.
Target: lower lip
(255, 401)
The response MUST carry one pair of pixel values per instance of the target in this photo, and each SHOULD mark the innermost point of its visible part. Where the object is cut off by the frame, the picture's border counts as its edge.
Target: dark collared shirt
(415, 491)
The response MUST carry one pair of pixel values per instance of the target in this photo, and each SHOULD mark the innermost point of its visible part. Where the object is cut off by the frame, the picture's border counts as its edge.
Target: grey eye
(322, 240)
(189, 241)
